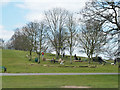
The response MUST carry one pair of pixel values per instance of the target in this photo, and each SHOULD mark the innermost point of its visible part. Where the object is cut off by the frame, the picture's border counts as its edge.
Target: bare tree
(103, 9)
(72, 31)
(107, 10)
(55, 21)
(92, 38)
(28, 30)
(40, 39)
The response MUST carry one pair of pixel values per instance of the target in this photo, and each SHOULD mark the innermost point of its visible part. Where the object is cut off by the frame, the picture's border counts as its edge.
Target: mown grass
(56, 81)
(16, 62)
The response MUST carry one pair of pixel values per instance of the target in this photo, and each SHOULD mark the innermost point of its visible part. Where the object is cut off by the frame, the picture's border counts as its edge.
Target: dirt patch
(75, 87)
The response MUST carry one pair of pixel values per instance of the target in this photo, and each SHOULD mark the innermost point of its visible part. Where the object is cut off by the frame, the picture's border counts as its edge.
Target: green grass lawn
(92, 81)
(16, 62)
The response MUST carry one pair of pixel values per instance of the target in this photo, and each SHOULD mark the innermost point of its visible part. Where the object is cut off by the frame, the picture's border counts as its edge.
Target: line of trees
(60, 30)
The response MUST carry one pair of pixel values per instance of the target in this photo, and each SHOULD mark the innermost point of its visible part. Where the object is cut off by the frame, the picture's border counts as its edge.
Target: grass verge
(58, 81)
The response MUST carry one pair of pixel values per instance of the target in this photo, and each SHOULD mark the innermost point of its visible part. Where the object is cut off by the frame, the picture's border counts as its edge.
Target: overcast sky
(16, 13)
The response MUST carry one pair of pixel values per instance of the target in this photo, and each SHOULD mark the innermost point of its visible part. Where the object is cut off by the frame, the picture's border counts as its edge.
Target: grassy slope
(16, 62)
(93, 81)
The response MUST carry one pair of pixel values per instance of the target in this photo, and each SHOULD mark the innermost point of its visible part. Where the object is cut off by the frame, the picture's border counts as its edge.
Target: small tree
(72, 31)
(92, 38)
(28, 30)
(40, 39)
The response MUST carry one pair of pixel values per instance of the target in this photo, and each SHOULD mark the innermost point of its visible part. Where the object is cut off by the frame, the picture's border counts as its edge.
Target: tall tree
(103, 9)
(92, 38)
(107, 10)
(55, 21)
(29, 31)
(72, 31)
(40, 39)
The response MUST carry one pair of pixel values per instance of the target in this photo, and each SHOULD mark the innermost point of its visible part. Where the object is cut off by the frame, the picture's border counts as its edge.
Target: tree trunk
(57, 54)
(89, 59)
(38, 58)
(70, 58)
(30, 58)
(71, 49)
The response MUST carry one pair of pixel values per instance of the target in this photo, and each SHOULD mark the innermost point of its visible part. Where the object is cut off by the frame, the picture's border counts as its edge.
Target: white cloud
(5, 34)
(37, 7)
(48, 4)
(34, 16)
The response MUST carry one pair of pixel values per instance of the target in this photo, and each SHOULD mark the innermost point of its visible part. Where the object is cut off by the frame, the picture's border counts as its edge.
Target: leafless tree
(107, 11)
(92, 38)
(72, 31)
(29, 31)
(55, 21)
(103, 9)
(40, 39)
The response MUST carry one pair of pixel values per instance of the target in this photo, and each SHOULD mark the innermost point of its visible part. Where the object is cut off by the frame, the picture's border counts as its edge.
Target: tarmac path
(23, 74)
